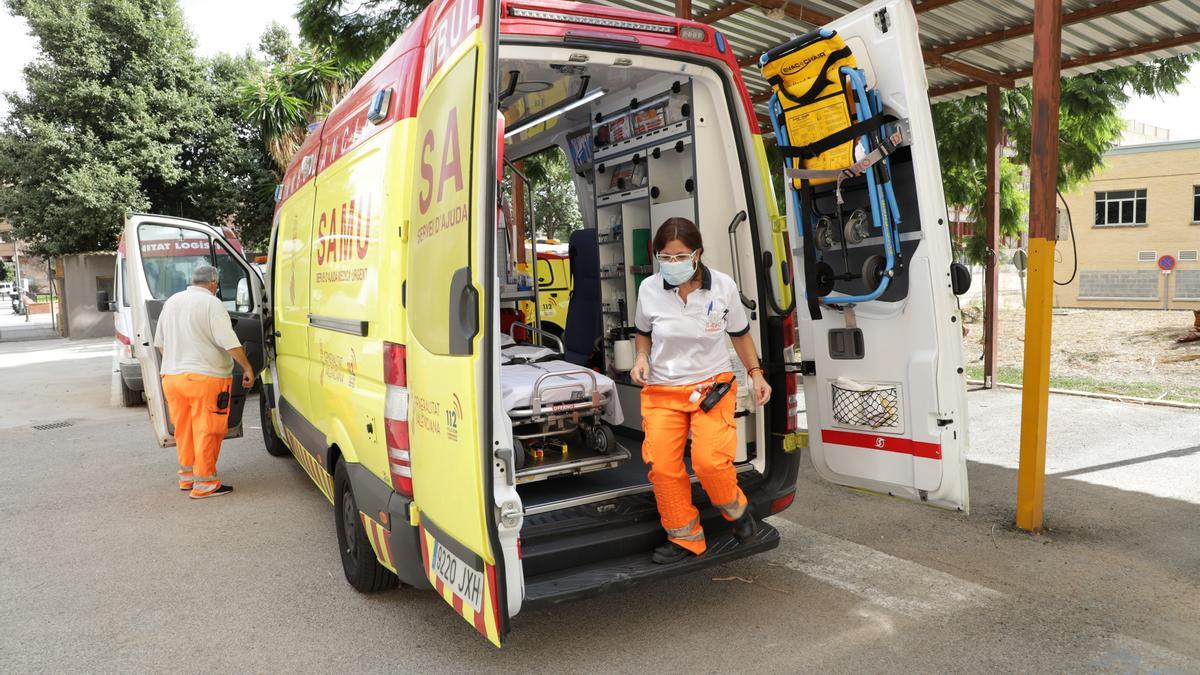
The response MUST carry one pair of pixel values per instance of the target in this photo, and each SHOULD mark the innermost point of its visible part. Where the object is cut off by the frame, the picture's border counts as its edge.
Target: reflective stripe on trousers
(668, 415)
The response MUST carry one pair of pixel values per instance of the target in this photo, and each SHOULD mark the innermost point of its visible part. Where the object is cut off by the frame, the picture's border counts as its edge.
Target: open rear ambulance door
(886, 407)
(449, 303)
(160, 254)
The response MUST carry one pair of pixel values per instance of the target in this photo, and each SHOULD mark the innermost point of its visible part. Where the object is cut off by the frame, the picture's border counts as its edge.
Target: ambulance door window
(169, 254)
(234, 290)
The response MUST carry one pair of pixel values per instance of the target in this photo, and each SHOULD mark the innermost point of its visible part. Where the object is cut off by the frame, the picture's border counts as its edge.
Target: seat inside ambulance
(645, 138)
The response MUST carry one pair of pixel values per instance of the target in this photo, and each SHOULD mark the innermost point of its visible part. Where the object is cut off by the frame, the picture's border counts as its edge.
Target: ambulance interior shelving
(646, 139)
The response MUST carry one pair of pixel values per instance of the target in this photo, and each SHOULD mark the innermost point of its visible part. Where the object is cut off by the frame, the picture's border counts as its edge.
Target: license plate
(464, 581)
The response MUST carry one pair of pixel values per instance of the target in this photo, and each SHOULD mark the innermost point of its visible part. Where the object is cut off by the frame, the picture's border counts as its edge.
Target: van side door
(160, 254)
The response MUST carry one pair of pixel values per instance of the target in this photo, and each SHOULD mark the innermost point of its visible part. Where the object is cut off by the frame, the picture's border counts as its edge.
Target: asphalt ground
(106, 567)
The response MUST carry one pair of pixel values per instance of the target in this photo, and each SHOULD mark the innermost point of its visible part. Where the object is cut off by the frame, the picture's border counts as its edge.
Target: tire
(130, 398)
(362, 569)
(518, 454)
(275, 445)
(601, 439)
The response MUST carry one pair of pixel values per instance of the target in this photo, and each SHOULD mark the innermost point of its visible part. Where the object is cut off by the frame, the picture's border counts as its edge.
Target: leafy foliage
(299, 86)
(1090, 124)
(356, 30)
(120, 116)
(556, 208)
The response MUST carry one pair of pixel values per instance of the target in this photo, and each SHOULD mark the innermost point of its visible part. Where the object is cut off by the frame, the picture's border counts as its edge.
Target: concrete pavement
(106, 567)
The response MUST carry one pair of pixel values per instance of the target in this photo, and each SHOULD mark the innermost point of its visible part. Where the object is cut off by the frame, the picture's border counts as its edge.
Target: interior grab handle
(738, 219)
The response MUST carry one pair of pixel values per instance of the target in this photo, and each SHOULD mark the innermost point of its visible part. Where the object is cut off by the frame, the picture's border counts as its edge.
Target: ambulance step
(618, 573)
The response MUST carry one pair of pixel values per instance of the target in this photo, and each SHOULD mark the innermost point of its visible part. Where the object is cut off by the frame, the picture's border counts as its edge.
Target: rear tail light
(791, 378)
(692, 33)
(395, 417)
(783, 502)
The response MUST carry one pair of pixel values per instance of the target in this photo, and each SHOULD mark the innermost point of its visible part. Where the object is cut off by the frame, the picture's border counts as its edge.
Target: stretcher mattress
(517, 381)
(518, 354)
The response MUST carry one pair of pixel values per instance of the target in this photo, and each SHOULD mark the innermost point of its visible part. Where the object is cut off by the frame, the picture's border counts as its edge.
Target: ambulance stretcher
(560, 412)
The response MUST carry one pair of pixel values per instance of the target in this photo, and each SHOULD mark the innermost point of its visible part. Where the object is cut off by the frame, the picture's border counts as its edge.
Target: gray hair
(203, 274)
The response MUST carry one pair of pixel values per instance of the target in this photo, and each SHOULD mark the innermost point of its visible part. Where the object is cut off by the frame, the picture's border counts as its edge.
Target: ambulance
(388, 375)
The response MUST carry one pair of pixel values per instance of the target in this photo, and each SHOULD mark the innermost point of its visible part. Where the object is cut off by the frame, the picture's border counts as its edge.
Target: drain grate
(52, 425)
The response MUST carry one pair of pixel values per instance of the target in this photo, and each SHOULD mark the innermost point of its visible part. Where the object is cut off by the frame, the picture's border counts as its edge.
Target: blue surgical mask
(676, 273)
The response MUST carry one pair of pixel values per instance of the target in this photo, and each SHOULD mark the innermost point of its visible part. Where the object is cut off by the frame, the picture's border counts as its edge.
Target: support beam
(1043, 185)
(796, 12)
(748, 61)
(991, 277)
(928, 5)
(1103, 9)
(683, 9)
(973, 72)
(723, 12)
(1080, 61)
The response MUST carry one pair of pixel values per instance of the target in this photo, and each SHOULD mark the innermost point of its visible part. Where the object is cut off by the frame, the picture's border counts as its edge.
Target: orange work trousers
(194, 403)
(668, 414)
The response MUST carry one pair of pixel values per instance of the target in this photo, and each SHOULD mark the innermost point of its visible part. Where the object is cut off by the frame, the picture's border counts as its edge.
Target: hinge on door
(795, 441)
(882, 20)
(924, 495)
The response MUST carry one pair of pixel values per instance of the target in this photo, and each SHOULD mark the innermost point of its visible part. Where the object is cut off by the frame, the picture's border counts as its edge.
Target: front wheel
(275, 445)
(362, 569)
(130, 398)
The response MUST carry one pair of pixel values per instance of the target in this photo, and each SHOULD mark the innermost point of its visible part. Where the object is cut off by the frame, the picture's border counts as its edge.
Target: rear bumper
(623, 572)
(131, 373)
(594, 548)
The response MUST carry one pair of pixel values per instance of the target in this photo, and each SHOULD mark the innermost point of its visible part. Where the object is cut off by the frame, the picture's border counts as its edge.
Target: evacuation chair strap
(887, 146)
(810, 257)
(818, 84)
(850, 133)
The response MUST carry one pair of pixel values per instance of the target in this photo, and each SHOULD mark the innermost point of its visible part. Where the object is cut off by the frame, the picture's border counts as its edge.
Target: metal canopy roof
(968, 43)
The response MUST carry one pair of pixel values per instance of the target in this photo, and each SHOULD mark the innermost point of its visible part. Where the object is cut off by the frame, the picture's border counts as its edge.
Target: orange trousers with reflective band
(194, 403)
(668, 415)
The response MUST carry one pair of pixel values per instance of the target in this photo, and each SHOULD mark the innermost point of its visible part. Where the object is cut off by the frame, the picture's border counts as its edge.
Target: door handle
(464, 312)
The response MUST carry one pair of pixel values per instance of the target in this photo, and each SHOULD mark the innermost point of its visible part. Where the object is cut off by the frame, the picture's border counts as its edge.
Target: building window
(1121, 207)
(1196, 204)
(1189, 256)
(1147, 256)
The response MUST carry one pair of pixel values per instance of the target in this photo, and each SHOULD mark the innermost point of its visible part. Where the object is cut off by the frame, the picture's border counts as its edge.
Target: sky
(233, 25)
(218, 25)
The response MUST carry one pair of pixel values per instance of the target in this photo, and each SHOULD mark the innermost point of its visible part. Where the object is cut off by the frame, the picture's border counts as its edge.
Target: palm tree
(299, 88)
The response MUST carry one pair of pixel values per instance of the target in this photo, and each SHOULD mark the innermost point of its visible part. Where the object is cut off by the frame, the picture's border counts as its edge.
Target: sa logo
(879, 441)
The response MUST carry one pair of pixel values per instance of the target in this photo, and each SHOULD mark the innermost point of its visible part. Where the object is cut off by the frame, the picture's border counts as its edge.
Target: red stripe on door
(904, 446)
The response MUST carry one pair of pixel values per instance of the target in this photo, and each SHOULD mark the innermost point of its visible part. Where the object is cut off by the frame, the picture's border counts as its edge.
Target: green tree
(298, 86)
(119, 116)
(356, 30)
(1090, 124)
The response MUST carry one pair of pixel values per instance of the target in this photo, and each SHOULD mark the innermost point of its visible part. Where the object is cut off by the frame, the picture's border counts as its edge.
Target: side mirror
(243, 296)
(960, 278)
(103, 304)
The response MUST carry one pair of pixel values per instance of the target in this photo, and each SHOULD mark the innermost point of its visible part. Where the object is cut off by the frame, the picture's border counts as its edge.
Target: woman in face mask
(684, 314)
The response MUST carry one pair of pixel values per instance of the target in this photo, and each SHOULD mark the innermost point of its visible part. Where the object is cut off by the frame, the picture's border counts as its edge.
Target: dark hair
(678, 229)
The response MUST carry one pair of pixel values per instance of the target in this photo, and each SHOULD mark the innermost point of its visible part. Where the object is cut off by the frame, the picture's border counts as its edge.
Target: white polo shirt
(688, 342)
(195, 334)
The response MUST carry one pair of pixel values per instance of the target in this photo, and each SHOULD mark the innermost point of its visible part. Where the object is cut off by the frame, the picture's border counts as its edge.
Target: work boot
(670, 552)
(223, 490)
(746, 526)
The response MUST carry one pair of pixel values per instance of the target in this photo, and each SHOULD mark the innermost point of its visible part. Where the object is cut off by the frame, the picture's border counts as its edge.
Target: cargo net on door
(865, 405)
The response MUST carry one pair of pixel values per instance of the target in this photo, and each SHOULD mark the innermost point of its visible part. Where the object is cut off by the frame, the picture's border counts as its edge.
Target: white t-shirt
(195, 334)
(688, 342)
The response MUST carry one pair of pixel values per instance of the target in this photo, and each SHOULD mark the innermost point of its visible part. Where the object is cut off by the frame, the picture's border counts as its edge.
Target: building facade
(1144, 205)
